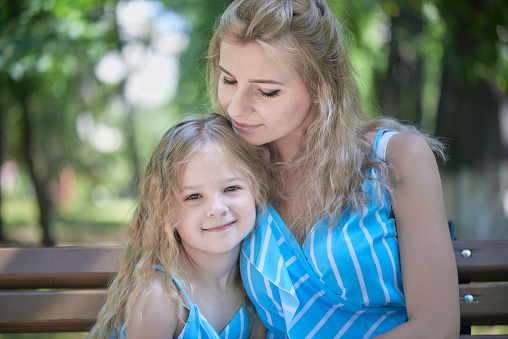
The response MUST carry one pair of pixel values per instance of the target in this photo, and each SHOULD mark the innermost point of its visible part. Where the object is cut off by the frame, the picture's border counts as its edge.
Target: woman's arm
(158, 315)
(428, 265)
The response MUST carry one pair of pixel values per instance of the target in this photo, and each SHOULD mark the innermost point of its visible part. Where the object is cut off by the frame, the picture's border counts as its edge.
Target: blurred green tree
(192, 95)
(473, 90)
(439, 64)
(49, 50)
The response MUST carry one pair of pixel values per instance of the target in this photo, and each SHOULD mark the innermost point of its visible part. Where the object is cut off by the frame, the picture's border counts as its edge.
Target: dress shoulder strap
(175, 279)
(381, 142)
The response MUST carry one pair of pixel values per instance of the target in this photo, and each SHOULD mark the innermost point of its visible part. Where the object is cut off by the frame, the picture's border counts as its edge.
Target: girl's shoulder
(154, 313)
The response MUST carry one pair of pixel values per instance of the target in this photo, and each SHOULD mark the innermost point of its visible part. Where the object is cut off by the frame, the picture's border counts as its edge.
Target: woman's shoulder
(402, 145)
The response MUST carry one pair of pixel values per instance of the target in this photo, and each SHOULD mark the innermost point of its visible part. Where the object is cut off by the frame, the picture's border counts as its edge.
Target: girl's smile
(218, 204)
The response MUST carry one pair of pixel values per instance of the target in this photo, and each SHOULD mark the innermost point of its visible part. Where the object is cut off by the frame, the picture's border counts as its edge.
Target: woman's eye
(193, 196)
(270, 94)
(232, 189)
(228, 82)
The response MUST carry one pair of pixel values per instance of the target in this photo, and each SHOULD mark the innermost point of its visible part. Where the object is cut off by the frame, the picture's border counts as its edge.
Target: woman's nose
(240, 104)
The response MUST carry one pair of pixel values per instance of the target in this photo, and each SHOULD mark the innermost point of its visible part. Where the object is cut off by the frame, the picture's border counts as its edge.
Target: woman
(355, 243)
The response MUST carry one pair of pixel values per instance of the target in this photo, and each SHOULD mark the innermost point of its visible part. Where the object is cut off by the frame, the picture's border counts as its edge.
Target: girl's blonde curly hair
(153, 239)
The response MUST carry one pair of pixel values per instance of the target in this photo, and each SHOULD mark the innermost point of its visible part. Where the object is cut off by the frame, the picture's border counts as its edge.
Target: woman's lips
(221, 227)
(241, 127)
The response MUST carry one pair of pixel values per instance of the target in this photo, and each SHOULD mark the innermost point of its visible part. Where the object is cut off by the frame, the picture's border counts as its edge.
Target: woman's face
(266, 101)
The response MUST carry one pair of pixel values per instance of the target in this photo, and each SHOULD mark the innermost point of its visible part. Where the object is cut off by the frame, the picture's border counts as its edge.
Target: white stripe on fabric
(280, 241)
(253, 241)
(312, 256)
(288, 308)
(227, 332)
(305, 308)
(356, 264)
(374, 256)
(271, 336)
(208, 328)
(290, 261)
(270, 295)
(383, 143)
(376, 324)
(333, 263)
(279, 270)
(242, 321)
(323, 321)
(266, 241)
(251, 287)
(390, 254)
(348, 324)
(300, 281)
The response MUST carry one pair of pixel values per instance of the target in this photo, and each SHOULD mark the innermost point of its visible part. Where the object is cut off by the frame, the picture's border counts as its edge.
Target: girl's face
(218, 204)
(266, 101)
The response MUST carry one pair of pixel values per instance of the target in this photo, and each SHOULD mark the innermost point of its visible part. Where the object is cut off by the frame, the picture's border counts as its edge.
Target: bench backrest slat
(485, 260)
(79, 269)
(53, 311)
(57, 267)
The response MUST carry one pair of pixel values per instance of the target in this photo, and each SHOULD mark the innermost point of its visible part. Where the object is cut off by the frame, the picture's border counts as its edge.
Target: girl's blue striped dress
(197, 327)
(344, 282)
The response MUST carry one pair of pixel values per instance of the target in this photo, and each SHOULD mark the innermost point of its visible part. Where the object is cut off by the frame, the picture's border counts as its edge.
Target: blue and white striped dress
(197, 327)
(344, 282)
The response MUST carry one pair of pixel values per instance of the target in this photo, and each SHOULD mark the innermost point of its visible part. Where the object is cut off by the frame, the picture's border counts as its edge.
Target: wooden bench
(62, 289)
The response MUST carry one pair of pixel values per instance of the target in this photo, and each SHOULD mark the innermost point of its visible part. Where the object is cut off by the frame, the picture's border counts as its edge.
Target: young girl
(178, 275)
(355, 243)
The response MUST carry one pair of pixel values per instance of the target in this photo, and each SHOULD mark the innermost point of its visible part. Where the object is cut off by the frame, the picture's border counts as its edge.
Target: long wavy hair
(153, 239)
(335, 154)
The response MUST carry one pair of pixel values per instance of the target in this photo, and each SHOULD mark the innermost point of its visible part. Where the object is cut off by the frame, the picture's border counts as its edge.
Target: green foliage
(49, 50)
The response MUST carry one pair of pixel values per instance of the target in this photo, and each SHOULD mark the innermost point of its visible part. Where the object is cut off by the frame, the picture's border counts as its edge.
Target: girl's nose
(218, 208)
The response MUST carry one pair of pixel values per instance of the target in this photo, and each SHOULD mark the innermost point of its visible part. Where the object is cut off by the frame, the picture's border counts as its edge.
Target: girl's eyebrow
(258, 81)
(225, 181)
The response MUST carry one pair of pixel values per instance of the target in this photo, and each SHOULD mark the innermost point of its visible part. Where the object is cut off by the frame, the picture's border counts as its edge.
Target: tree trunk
(40, 182)
(2, 134)
(400, 90)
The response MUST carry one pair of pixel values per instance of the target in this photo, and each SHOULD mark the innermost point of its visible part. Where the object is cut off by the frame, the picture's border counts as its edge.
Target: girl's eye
(270, 94)
(193, 197)
(228, 82)
(232, 189)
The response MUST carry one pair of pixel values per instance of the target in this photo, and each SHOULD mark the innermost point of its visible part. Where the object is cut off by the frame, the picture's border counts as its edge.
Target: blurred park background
(88, 87)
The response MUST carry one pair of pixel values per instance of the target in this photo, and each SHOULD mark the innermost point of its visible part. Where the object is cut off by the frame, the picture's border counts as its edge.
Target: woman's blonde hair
(153, 239)
(335, 154)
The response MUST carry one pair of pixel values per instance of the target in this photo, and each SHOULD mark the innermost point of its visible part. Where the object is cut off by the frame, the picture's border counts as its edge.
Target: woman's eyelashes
(228, 82)
(269, 94)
